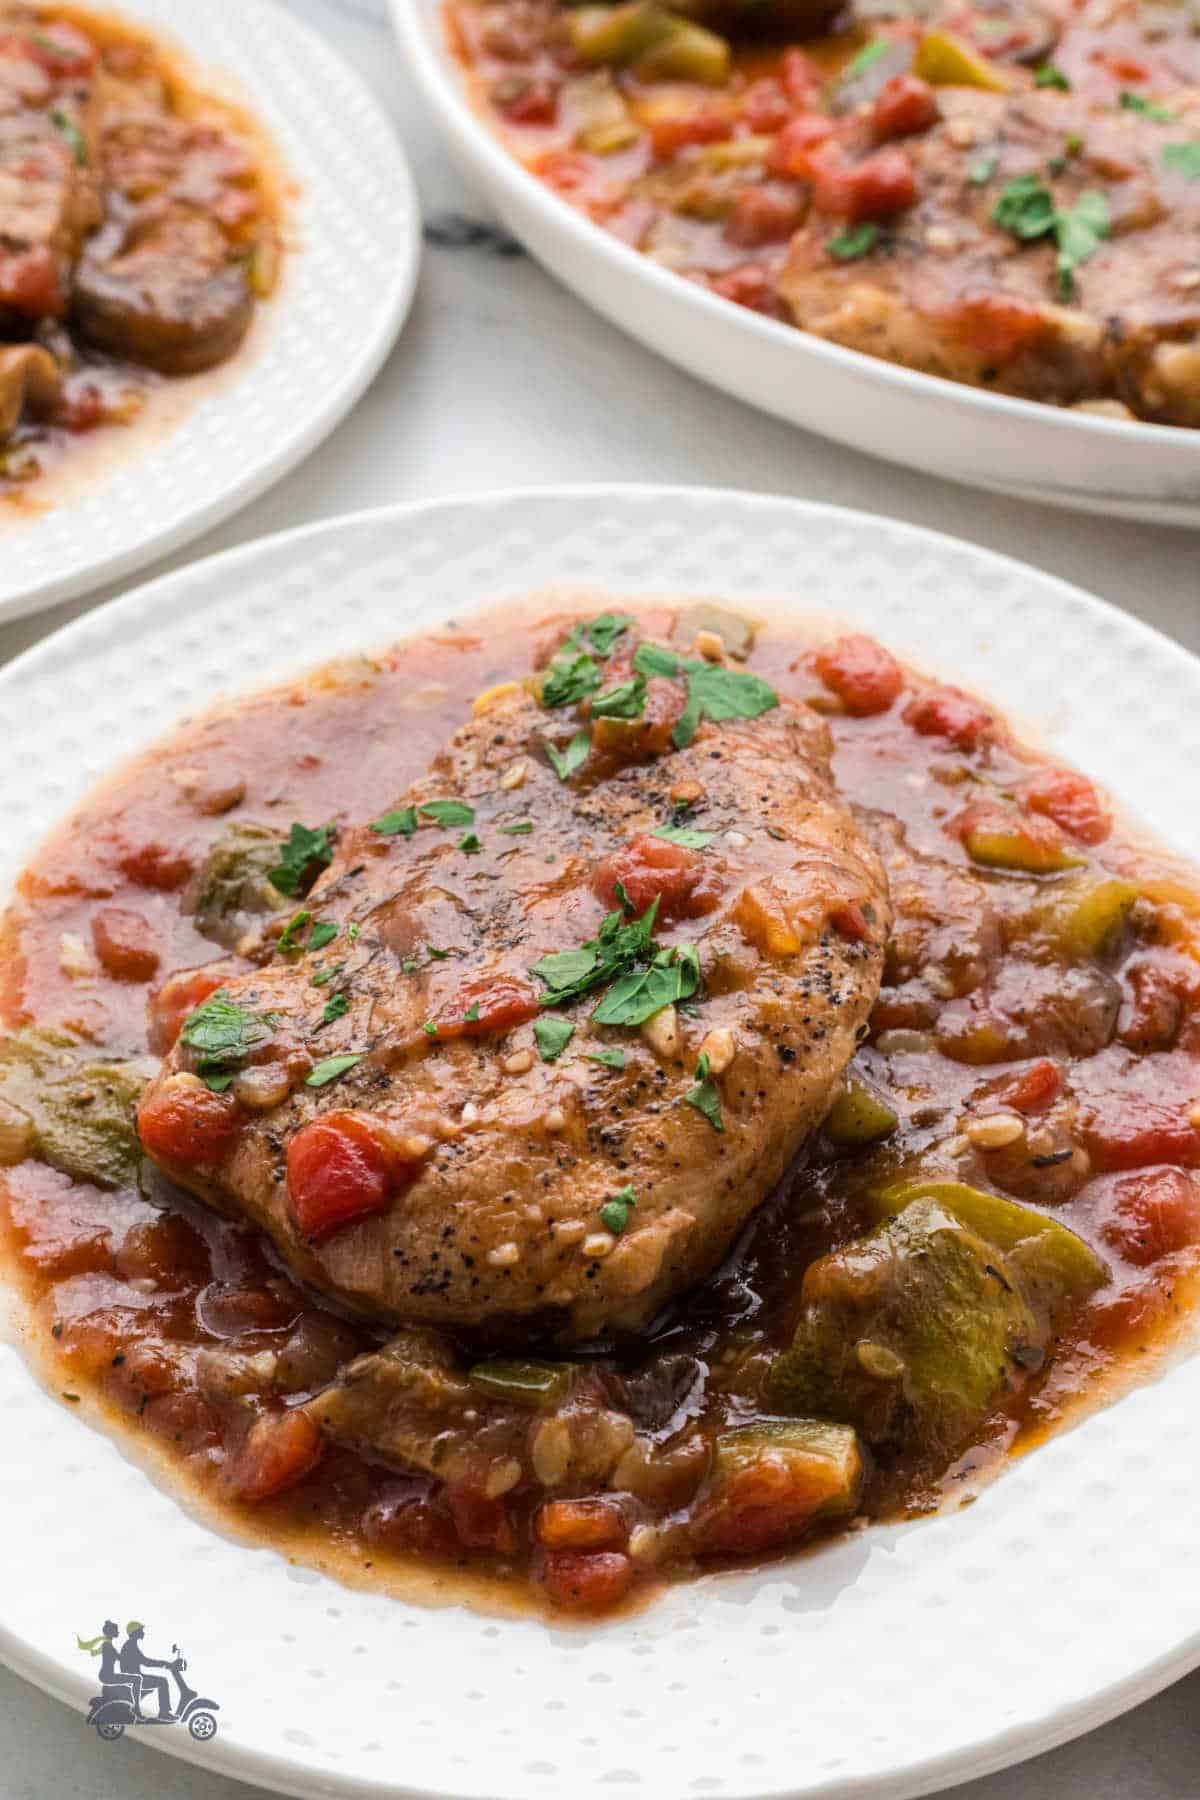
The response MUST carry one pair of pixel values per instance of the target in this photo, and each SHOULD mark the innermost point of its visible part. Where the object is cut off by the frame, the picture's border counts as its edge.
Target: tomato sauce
(1036, 1041)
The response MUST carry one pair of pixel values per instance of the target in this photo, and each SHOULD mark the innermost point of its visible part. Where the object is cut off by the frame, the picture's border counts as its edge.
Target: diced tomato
(586, 1581)
(995, 835)
(1071, 801)
(762, 217)
(481, 1523)
(1130, 70)
(592, 1524)
(683, 881)
(751, 286)
(865, 678)
(280, 1450)
(949, 713)
(903, 106)
(803, 79)
(185, 1419)
(667, 135)
(412, 1522)
(170, 1004)
(765, 107)
(851, 922)
(878, 187)
(1148, 1214)
(124, 943)
(167, 1251)
(1118, 1316)
(1137, 1110)
(791, 154)
(1158, 985)
(762, 1506)
(30, 284)
(337, 1170)
(81, 407)
(156, 866)
(526, 101)
(1034, 1088)
(486, 1007)
(228, 1310)
(182, 1122)
(997, 326)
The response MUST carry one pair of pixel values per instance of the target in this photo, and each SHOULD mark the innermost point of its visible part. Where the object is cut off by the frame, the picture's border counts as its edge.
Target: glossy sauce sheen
(1095, 1056)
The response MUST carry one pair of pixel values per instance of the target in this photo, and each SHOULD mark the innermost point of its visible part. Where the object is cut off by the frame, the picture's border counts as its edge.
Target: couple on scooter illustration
(125, 1685)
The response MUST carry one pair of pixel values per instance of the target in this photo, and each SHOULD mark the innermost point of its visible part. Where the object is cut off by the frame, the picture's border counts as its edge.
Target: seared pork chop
(586, 1052)
(976, 282)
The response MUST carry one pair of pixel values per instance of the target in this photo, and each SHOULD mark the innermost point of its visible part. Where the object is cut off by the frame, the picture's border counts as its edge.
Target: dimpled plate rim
(346, 288)
(1065, 1593)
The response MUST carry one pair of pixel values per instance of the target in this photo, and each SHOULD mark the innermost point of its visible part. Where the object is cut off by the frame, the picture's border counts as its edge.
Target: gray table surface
(460, 407)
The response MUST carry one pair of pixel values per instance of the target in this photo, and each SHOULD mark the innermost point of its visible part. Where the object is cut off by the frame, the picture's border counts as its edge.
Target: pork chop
(585, 1052)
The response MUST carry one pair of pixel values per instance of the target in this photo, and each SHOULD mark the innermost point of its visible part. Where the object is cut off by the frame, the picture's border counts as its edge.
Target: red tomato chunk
(650, 868)
(124, 944)
(281, 1449)
(762, 217)
(905, 105)
(488, 1007)
(861, 673)
(337, 1170)
(1149, 1214)
(186, 1124)
(877, 188)
(586, 1581)
(594, 1524)
(949, 713)
(1071, 801)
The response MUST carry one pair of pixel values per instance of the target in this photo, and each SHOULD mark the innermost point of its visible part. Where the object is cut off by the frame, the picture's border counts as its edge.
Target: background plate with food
(978, 223)
(199, 276)
(979, 1634)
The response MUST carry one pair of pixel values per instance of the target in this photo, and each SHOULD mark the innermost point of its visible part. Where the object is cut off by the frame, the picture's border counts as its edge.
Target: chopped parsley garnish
(615, 1212)
(1047, 76)
(627, 906)
(601, 633)
(522, 828)
(983, 168)
(713, 692)
(567, 682)
(408, 965)
(436, 954)
(612, 1059)
(640, 993)
(568, 974)
(471, 1016)
(325, 976)
(685, 836)
(224, 1034)
(352, 933)
(705, 1096)
(1149, 109)
(401, 823)
(308, 850)
(322, 933)
(287, 944)
(565, 762)
(448, 812)
(1026, 208)
(73, 135)
(336, 1007)
(1184, 159)
(328, 1070)
(853, 242)
(552, 1037)
(470, 843)
(429, 1028)
(866, 58)
(628, 701)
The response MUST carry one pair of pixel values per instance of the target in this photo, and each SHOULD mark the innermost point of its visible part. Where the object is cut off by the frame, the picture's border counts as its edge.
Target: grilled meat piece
(453, 1176)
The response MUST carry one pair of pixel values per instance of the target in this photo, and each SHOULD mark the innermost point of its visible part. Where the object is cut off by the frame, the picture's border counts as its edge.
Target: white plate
(1035, 452)
(313, 348)
(898, 1660)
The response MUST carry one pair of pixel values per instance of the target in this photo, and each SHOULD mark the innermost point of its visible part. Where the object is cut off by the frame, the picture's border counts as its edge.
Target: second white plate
(355, 231)
(1032, 451)
(893, 1662)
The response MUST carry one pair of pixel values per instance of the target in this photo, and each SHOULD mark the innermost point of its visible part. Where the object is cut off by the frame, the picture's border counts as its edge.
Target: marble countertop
(460, 407)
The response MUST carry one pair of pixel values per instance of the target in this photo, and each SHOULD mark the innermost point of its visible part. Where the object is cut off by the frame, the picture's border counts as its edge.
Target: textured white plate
(965, 434)
(889, 1664)
(355, 227)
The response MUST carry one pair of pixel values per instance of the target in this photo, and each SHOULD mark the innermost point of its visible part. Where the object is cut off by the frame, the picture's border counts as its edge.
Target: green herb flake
(622, 895)
(1149, 109)
(627, 701)
(706, 1096)
(570, 680)
(640, 993)
(853, 242)
(429, 1028)
(983, 168)
(1080, 232)
(331, 1067)
(552, 1037)
(308, 850)
(73, 135)
(1025, 208)
(471, 1016)
(652, 659)
(470, 844)
(287, 945)
(522, 828)
(718, 694)
(565, 762)
(866, 59)
(615, 1212)
(408, 965)
(325, 976)
(336, 1007)
(612, 1059)
(1047, 76)
(223, 1034)
(436, 954)
(684, 836)
(448, 812)
(601, 633)
(352, 933)
(1184, 159)
(322, 933)
(401, 823)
